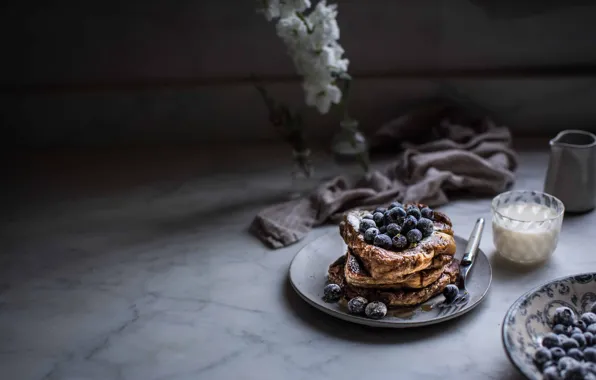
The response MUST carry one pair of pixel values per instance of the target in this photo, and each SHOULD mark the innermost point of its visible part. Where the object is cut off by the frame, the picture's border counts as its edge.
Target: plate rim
(516, 303)
(386, 323)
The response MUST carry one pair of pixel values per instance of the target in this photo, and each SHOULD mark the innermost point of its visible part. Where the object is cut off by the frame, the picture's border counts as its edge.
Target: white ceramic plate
(308, 275)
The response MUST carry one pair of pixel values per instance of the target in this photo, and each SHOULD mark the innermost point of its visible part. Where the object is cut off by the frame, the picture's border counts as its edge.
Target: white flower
(322, 96)
(312, 42)
(282, 8)
(293, 32)
(290, 7)
(341, 64)
(324, 25)
(269, 8)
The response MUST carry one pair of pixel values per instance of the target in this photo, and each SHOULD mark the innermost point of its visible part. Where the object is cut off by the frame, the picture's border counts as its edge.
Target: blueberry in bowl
(557, 316)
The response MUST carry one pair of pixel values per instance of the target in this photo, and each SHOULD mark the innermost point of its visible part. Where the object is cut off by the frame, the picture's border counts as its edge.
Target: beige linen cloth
(441, 151)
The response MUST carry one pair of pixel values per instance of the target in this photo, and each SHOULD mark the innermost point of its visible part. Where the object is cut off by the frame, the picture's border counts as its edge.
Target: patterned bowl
(529, 318)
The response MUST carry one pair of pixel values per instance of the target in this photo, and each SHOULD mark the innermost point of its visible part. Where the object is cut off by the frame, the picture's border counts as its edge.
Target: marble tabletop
(137, 265)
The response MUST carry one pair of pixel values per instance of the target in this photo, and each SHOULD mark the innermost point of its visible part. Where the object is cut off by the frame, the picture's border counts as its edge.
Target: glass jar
(526, 225)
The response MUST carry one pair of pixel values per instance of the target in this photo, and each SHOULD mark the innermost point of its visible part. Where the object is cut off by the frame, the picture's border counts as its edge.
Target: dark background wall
(124, 72)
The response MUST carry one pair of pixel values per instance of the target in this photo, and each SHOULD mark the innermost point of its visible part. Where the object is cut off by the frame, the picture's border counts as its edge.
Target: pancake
(356, 275)
(379, 261)
(393, 297)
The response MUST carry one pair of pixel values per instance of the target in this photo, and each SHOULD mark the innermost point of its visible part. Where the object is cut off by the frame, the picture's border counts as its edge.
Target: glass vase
(303, 181)
(349, 146)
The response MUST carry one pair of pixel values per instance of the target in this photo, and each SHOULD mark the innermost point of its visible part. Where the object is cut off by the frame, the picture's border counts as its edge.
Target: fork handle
(473, 243)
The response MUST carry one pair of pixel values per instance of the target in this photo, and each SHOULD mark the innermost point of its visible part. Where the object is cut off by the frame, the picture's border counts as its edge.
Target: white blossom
(290, 7)
(321, 96)
(324, 25)
(282, 8)
(269, 8)
(312, 43)
(293, 32)
(341, 64)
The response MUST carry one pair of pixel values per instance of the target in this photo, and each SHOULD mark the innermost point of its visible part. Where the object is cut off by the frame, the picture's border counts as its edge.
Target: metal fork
(467, 261)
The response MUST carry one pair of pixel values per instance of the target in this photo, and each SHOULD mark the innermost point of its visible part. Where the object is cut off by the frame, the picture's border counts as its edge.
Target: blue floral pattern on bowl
(530, 317)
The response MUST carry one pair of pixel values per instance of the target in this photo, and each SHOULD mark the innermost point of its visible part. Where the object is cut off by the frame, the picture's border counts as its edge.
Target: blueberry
(589, 366)
(382, 229)
(380, 209)
(409, 223)
(395, 215)
(356, 305)
(557, 353)
(399, 214)
(379, 218)
(450, 292)
(375, 310)
(548, 364)
(368, 215)
(370, 234)
(551, 340)
(590, 354)
(588, 318)
(579, 338)
(414, 211)
(566, 363)
(589, 337)
(387, 218)
(593, 308)
(425, 226)
(393, 229)
(574, 330)
(542, 355)
(383, 241)
(365, 224)
(569, 330)
(331, 293)
(569, 343)
(427, 213)
(581, 325)
(551, 373)
(592, 329)
(564, 316)
(576, 354)
(414, 236)
(394, 205)
(576, 372)
(400, 242)
(560, 329)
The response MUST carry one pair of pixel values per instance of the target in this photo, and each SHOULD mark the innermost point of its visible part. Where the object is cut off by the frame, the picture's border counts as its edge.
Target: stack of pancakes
(405, 278)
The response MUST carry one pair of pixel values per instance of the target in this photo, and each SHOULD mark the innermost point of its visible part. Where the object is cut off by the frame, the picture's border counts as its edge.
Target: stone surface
(137, 265)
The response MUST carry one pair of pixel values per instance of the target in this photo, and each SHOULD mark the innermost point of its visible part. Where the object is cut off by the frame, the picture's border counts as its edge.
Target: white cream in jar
(526, 232)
